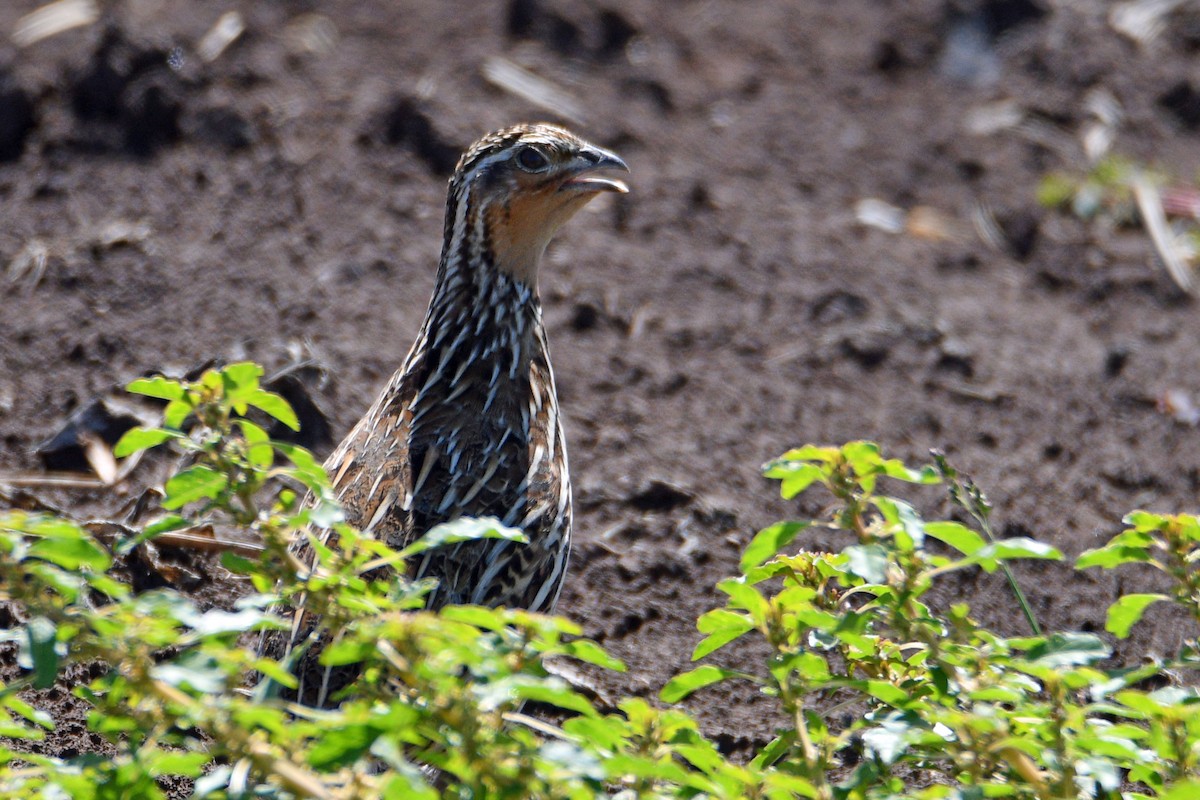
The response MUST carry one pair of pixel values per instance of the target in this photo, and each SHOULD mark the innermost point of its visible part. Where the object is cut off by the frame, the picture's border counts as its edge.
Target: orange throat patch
(520, 229)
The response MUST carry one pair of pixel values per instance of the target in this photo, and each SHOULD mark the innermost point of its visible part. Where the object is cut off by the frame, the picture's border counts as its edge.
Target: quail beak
(588, 168)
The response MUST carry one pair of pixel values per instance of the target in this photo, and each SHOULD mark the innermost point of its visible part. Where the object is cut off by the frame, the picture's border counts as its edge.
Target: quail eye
(531, 159)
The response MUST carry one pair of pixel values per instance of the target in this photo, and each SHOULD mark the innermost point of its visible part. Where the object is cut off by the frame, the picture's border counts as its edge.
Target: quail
(469, 425)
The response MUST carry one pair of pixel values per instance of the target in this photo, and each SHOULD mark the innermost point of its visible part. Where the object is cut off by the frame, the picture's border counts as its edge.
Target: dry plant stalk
(52, 19)
(518, 81)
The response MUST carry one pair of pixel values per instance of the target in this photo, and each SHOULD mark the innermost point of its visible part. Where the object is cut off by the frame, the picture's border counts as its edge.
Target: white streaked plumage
(469, 425)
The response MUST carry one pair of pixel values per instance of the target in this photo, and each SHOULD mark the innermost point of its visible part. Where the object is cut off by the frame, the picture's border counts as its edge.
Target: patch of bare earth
(287, 194)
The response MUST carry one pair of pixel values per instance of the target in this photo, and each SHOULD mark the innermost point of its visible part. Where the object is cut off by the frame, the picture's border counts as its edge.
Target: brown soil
(290, 192)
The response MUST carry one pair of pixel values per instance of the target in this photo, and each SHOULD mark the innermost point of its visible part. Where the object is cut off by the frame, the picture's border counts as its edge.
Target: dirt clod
(16, 119)
(1182, 101)
(659, 496)
(66, 449)
(127, 97)
(407, 123)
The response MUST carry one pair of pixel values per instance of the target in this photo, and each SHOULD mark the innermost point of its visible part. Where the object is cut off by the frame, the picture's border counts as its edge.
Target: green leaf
(797, 479)
(342, 746)
(11, 729)
(274, 406)
(165, 524)
(259, 452)
(605, 732)
(722, 626)
(744, 596)
(34, 715)
(591, 653)
(65, 583)
(769, 541)
(867, 561)
(253, 433)
(956, 535)
(715, 641)
(482, 617)
(889, 693)
(997, 694)
(789, 786)
(1112, 747)
(895, 468)
(705, 758)
(1125, 613)
(45, 527)
(864, 457)
(776, 749)
(174, 762)
(43, 651)
(659, 771)
(199, 673)
(195, 483)
(909, 530)
(307, 470)
(722, 619)
(72, 554)
(553, 692)
(1145, 521)
(106, 585)
(111, 723)
(1068, 650)
(276, 672)
(463, 529)
(240, 379)
(795, 598)
(406, 784)
(811, 666)
(1021, 547)
(812, 452)
(211, 379)
(176, 412)
(1153, 705)
(1113, 555)
(158, 386)
(683, 685)
(1010, 549)
(138, 439)
(346, 651)
(1185, 790)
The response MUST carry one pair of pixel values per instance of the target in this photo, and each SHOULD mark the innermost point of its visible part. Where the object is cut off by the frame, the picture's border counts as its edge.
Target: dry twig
(52, 19)
(506, 75)
(1166, 243)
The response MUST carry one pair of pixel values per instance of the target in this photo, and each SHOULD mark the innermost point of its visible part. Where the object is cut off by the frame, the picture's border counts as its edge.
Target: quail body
(469, 425)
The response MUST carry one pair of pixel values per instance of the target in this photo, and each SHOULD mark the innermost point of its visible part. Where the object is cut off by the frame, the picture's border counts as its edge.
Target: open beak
(587, 173)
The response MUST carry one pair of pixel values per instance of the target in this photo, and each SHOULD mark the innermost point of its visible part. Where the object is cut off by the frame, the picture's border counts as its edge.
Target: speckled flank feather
(469, 426)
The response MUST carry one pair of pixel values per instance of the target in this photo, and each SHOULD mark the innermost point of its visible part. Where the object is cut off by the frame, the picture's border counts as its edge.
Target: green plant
(945, 707)
(435, 713)
(937, 706)
(1106, 189)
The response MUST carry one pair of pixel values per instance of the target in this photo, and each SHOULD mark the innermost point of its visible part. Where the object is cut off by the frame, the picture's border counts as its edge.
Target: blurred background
(929, 223)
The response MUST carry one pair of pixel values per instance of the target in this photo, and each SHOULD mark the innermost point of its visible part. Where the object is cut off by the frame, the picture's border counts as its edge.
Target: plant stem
(969, 497)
